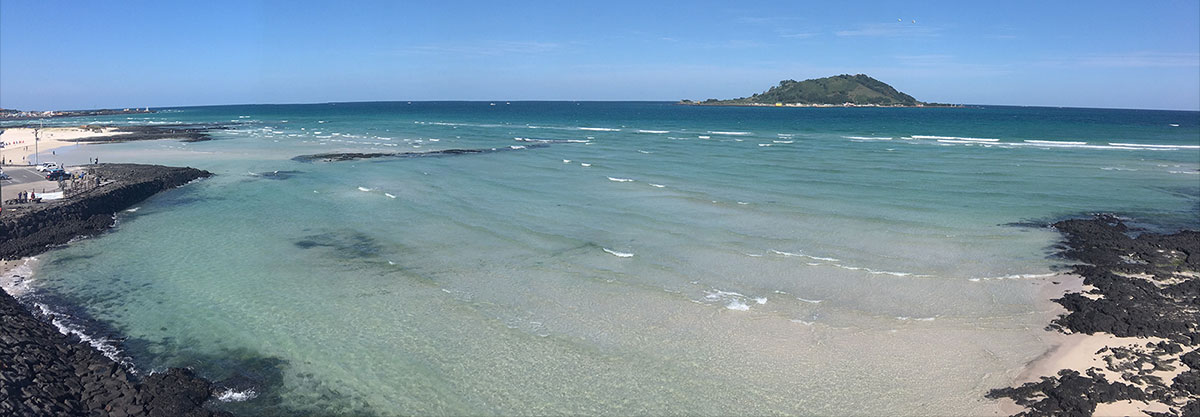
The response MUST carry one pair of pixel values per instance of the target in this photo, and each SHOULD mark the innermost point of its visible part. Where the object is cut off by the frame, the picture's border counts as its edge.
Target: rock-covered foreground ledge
(1146, 286)
(46, 373)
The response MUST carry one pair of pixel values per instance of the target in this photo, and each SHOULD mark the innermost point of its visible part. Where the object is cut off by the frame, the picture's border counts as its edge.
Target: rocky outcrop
(1142, 285)
(46, 373)
(28, 229)
(350, 156)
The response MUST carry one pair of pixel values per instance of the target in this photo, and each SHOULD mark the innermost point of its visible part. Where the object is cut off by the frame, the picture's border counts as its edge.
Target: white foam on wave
(732, 300)
(868, 137)
(737, 305)
(653, 131)
(1013, 276)
(1055, 142)
(515, 147)
(1153, 146)
(620, 179)
(645, 152)
(959, 141)
(718, 132)
(878, 272)
(599, 129)
(906, 318)
(810, 301)
(801, 255)
(104, 345)
(716, 294)
(231, 395)
(389, 195)
(806, 323)
(582, 164)
(1185, 172)
(566, 161)
(764, 144)
(133, 210)
(783, 141)
(657, 185)
(704, 137)
(364, 189)
(955, 138)
(618, 254)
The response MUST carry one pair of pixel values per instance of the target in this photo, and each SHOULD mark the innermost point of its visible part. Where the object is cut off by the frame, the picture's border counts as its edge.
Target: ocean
(610, 258)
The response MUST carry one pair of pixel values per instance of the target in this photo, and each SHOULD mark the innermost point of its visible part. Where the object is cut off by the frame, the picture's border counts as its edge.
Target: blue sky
(68, 55)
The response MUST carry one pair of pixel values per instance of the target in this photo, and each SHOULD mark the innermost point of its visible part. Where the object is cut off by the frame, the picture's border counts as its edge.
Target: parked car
(58, 174)
(48, 166)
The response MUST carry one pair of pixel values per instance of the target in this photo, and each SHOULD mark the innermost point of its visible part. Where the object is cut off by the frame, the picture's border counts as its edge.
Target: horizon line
(563, 101)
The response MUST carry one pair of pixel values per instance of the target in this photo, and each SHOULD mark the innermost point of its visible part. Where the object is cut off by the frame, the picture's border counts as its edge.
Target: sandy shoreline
(15, 275)
(19, 142)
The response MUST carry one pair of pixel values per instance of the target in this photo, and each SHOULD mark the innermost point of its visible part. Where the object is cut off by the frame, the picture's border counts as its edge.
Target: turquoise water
(624, 258)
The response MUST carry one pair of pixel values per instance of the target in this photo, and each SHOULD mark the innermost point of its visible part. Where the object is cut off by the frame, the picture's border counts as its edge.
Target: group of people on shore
(25, 197)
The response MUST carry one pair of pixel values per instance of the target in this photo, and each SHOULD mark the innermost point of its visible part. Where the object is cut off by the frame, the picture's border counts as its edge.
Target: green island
(837, 91)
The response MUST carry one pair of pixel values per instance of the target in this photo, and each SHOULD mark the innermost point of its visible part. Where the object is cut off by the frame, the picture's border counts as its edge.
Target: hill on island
(838, 90)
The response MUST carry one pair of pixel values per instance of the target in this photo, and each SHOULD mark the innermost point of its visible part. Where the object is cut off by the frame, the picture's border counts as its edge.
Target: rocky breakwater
(28, 229)
(46, 373)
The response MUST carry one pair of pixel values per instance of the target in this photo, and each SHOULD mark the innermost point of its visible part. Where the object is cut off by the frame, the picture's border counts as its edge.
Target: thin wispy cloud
(1126, 60)
(767, 20)
(946, 65)
(898, 29)
(484, 48)
(925, 59)
(733, 44)
(805, 35)
(1142, 60)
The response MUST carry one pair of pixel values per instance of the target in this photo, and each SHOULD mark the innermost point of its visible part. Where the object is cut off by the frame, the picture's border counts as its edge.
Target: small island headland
(44, 372)
(837, 91)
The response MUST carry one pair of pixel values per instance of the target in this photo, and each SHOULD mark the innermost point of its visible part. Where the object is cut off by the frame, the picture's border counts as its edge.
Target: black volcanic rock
(1145, 286)
(46, 373)
(29, 229)
(350, 156)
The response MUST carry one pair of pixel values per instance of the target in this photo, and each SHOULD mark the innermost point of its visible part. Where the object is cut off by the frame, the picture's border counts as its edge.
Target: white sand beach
(19, 142)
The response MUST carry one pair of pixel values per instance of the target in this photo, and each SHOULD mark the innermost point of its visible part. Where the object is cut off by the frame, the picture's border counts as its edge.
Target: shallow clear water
(706, 260)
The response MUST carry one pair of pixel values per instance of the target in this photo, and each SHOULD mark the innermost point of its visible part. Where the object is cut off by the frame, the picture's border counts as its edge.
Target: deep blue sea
(612, 258)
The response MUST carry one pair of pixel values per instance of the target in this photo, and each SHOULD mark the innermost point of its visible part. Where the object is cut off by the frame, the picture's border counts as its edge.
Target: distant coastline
(9, 114)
